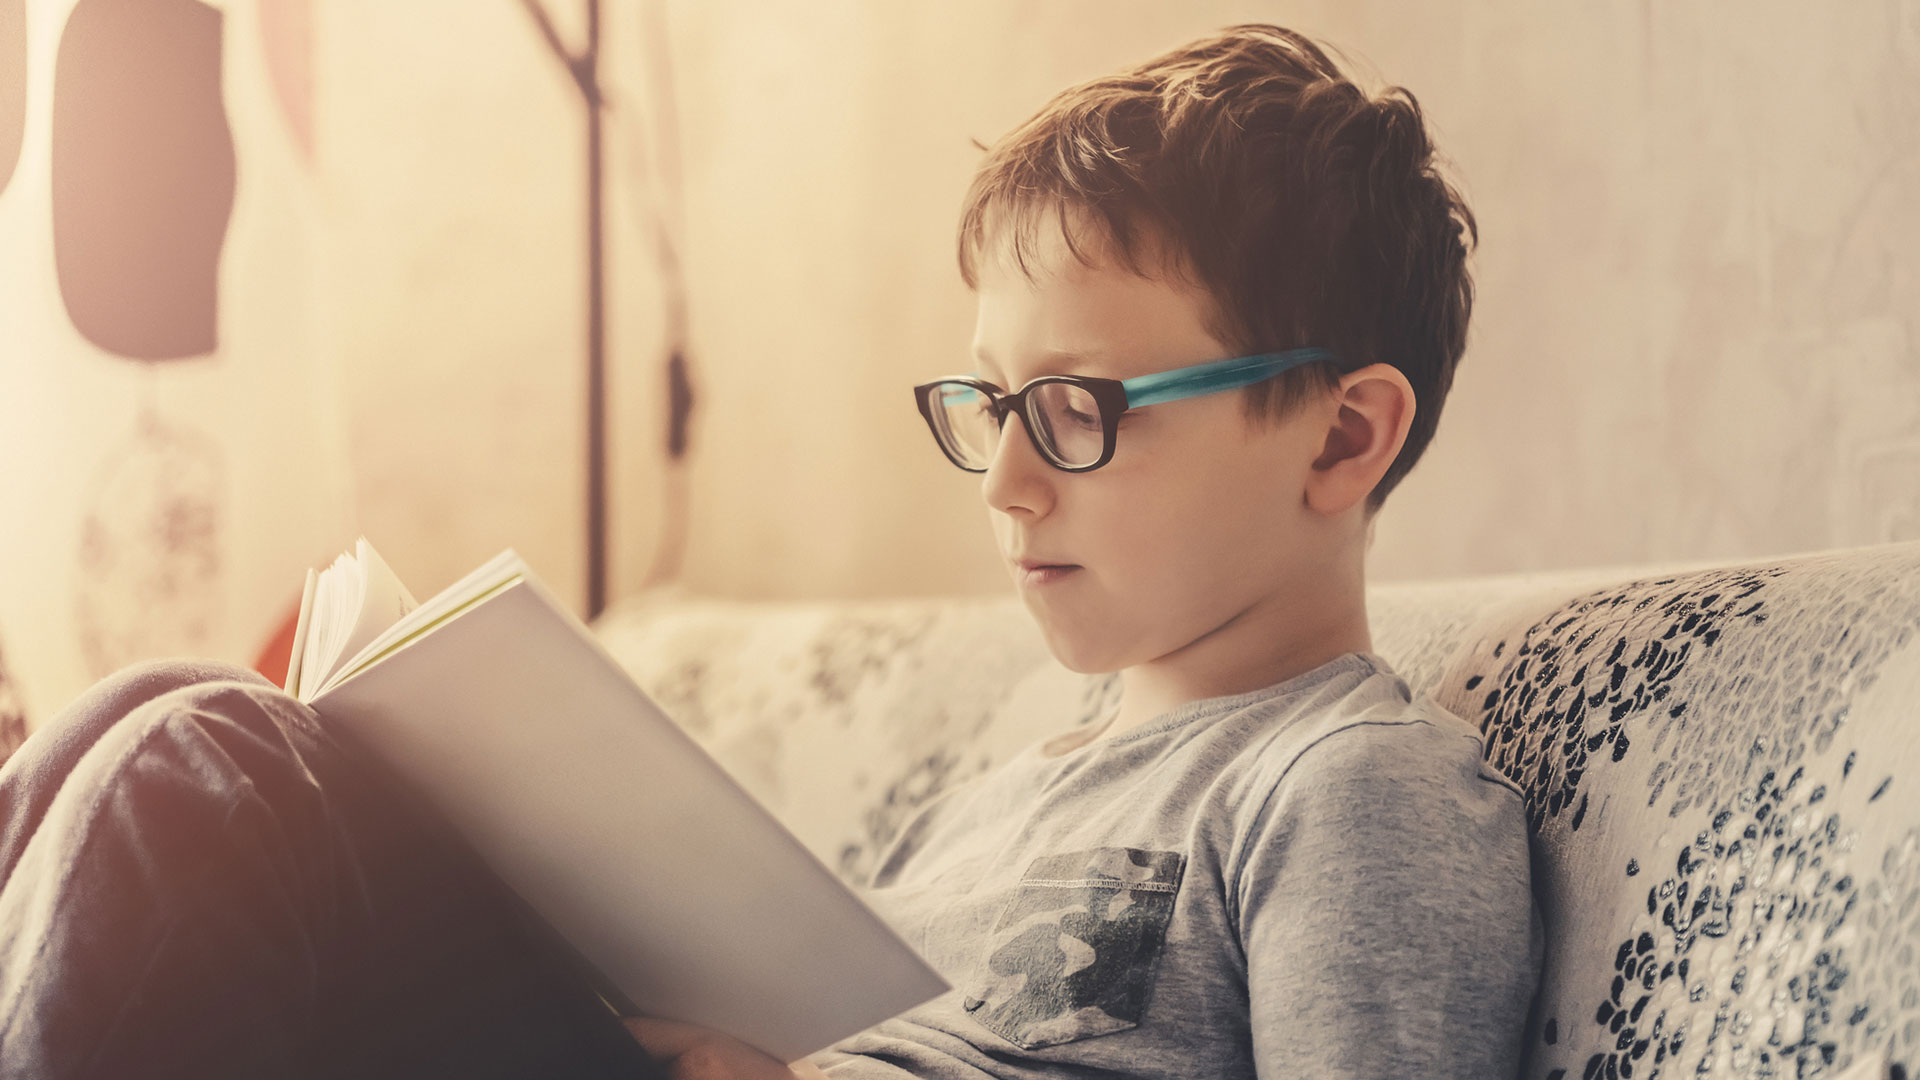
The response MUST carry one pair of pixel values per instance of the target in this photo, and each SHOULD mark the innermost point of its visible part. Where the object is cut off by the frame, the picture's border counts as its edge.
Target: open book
(686, 897)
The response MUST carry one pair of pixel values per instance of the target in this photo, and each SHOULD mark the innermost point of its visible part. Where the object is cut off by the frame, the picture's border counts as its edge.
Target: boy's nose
(1017, 477)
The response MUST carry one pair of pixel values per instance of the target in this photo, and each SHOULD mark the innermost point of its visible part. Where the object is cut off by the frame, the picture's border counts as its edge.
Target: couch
(1721, 764)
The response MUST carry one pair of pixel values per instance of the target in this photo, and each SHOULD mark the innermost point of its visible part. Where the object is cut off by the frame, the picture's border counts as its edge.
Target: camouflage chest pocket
(1074, 952)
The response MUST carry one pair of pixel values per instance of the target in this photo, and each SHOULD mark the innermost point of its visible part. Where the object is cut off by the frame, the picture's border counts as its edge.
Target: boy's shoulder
(1374, 732)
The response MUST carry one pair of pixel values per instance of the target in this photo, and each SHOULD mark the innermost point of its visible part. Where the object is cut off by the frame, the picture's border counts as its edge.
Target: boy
(1230, 293)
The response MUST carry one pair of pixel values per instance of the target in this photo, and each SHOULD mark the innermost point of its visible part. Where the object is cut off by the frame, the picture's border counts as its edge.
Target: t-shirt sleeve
(1386, 911)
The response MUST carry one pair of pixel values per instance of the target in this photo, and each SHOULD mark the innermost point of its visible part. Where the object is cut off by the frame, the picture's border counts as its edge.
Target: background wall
(1699, 279)
(1699, 276)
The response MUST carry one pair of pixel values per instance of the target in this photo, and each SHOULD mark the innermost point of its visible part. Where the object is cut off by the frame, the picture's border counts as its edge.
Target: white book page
(301, 628)
(352, 602)
(382, 601)
(336, 597)
(418, 618)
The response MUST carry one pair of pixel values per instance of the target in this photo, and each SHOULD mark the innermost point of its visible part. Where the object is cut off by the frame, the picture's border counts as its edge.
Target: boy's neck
(1266, 645)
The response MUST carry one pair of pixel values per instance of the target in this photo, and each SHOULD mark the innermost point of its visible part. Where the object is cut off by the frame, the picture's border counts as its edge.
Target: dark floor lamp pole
(596, 325)
(585, 71)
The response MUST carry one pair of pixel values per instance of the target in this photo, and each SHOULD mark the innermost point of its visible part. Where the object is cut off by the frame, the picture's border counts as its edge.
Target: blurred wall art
(172, 442)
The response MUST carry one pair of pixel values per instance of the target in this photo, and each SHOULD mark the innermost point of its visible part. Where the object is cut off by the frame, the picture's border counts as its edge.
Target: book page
(326, 622)
(300, 628)
(383, 601)
(484, 581)
(350, 604)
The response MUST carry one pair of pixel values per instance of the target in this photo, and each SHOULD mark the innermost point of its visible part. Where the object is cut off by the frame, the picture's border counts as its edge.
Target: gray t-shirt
(1319, 879)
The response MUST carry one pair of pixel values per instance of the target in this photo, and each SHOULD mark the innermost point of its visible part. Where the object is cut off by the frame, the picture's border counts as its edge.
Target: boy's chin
(1079, 656)
(1081, 647)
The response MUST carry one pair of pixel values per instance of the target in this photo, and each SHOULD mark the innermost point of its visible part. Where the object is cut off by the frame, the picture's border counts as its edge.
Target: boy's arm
(1386, 911)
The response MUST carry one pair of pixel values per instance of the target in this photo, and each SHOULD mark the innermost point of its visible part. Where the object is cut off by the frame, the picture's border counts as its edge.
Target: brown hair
(1309, 212)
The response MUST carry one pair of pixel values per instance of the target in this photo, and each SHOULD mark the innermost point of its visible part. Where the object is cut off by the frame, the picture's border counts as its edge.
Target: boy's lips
(1028, 565)
(1038, 572)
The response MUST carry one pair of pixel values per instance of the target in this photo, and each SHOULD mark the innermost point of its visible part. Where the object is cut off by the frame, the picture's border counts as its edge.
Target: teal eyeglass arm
(1186, 382)
(1214, 377)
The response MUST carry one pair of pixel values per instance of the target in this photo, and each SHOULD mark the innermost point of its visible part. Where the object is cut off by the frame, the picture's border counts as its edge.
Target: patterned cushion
(1716, 759)
(842, 718)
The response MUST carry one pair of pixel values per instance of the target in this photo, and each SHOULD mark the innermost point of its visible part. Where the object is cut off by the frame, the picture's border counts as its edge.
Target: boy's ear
(1367, 422)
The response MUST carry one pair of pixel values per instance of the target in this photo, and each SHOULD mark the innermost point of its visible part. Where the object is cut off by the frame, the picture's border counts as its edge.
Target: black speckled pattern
(1715, 818)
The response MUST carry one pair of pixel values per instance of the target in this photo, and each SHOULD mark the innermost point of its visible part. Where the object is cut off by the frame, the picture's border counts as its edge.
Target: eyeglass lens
(1061, 417)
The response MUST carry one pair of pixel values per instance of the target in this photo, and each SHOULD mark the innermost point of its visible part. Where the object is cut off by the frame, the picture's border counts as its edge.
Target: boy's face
(1197, 521)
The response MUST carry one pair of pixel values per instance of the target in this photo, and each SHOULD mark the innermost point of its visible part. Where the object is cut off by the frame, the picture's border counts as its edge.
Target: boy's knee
(197, 721)
(148, 679)
(136, 684)
(233, 722)
(71, 731)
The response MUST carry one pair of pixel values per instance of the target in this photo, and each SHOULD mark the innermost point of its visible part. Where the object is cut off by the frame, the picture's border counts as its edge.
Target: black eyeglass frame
(1108, 394)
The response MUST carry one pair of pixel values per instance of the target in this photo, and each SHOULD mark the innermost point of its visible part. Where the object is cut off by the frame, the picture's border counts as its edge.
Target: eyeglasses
(1072, 419)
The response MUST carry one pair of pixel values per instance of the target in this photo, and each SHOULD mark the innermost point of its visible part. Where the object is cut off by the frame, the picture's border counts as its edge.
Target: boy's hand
(697, 1053)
